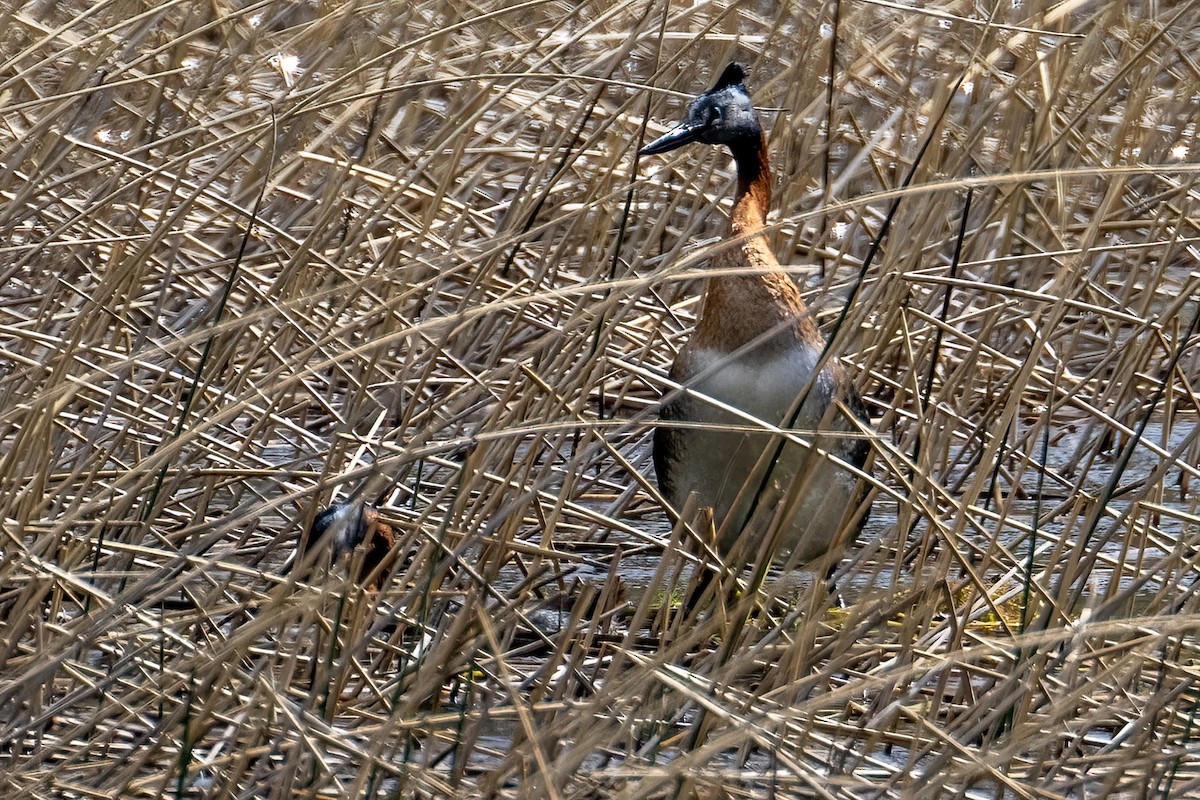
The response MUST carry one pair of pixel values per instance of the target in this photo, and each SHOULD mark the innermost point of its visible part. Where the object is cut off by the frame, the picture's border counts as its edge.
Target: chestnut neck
(753, 198)
(741, 308)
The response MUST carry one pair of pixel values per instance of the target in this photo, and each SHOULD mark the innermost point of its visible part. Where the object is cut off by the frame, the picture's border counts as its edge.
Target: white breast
(807, 497)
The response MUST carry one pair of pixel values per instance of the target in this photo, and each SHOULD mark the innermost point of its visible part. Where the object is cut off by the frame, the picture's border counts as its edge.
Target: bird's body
(756, 349)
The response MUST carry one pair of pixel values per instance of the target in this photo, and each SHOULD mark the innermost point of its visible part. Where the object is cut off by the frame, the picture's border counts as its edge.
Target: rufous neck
(754, 185)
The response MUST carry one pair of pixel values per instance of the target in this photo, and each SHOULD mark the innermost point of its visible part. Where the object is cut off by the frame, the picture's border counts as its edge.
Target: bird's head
(346, 525)
(722, 115)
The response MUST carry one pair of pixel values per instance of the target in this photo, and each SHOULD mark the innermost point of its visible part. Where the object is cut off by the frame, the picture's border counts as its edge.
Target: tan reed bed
(256, 256)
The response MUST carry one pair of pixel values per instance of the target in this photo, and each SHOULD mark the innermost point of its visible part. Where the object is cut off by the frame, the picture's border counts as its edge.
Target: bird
(755, 348)
(347, 525)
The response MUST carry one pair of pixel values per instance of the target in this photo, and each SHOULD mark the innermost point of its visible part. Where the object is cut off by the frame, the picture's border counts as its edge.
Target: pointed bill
(676, 137)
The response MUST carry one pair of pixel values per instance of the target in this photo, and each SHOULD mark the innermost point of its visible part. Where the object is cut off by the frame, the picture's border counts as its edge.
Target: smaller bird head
(347, 525)
(722, 115)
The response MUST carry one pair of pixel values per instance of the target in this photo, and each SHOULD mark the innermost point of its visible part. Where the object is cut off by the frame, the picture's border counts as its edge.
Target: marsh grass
(255, 259)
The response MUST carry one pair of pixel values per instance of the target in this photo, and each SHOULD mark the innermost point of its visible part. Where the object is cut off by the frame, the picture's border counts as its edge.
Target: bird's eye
(714, 115)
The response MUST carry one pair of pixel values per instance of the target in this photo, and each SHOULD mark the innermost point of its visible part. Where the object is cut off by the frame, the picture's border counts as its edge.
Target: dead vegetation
(258, 258)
